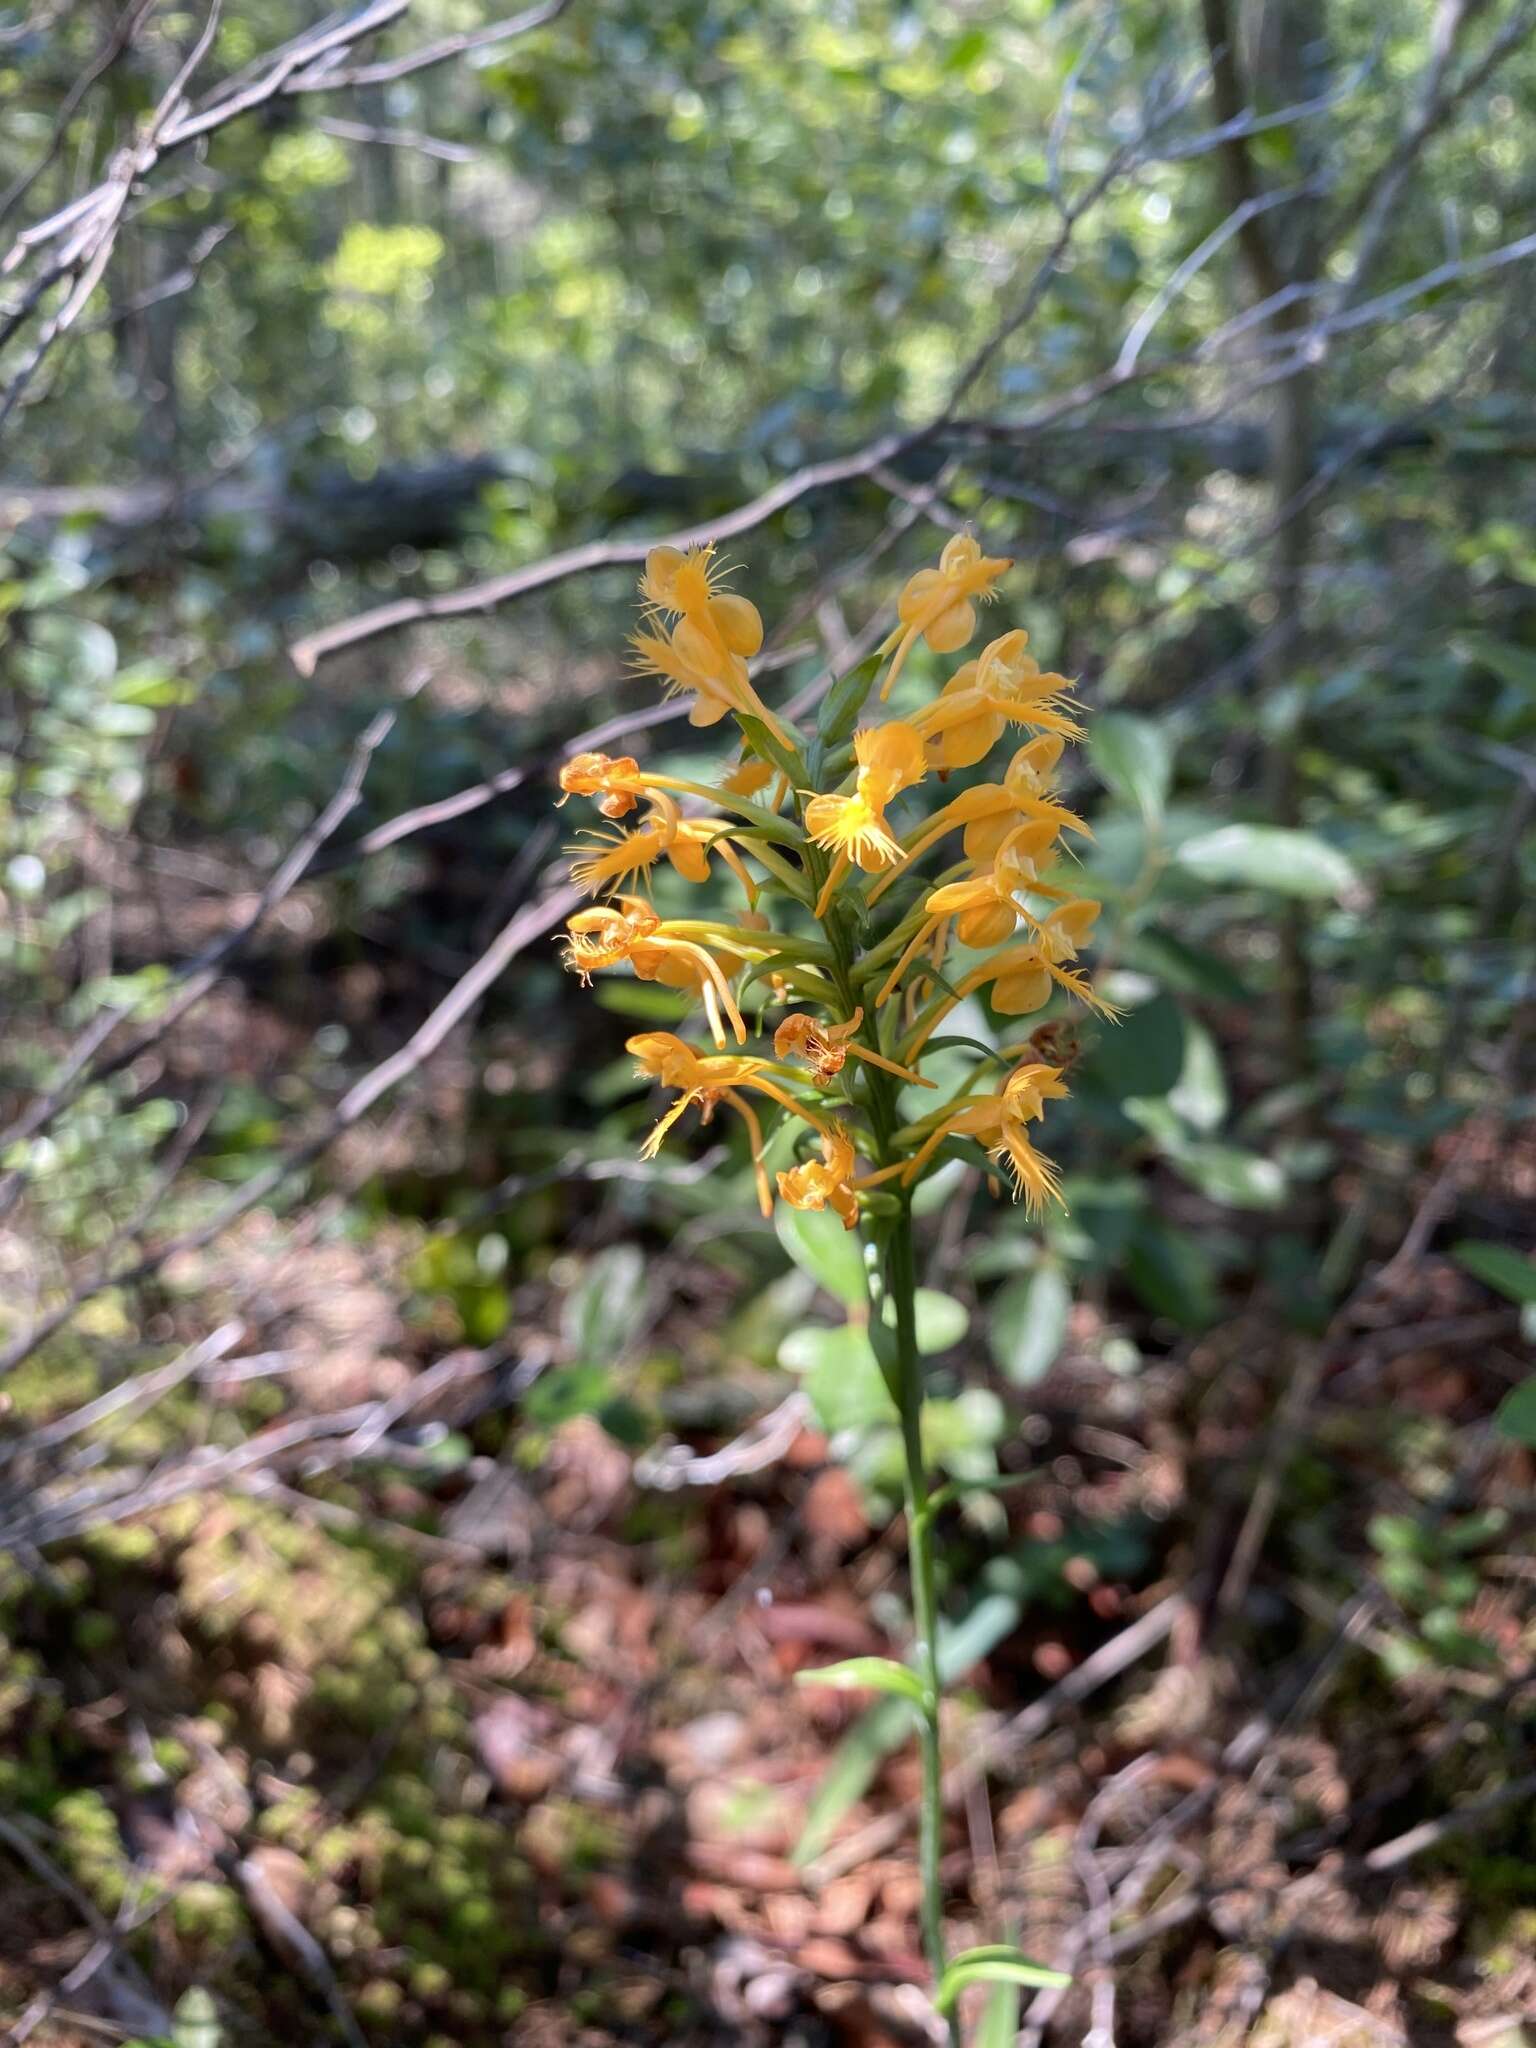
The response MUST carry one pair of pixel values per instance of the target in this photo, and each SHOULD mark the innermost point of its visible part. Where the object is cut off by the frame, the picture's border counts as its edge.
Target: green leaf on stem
(842, 704)
(1516, 1417)
(867, 1674)
(767, 748)
(996, 1965)
(1000, 2022)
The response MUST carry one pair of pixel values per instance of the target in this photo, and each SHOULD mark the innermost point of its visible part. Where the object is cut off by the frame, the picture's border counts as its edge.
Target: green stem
(901, 1284)
(901, 1290)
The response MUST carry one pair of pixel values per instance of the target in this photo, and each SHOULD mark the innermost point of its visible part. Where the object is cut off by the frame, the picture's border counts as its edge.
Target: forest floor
(504, 1746)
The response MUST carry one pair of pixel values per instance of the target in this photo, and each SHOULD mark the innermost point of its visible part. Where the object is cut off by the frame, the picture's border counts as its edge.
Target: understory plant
(858, 935)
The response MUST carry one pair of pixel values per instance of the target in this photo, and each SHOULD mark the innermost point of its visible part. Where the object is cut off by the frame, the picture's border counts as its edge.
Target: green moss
(379, 1999)
(207, 1912)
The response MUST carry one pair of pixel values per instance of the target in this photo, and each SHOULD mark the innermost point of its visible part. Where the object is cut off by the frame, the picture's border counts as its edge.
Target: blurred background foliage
(601, 280)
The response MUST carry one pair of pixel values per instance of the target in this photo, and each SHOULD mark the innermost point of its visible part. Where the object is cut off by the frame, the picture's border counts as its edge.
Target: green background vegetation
(611, 277)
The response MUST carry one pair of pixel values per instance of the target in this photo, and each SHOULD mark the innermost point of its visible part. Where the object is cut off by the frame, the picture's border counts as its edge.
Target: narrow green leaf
(1000, 2022)
(851, 1772)
(760, 819)
(842, 704)
(789, 878)
(994, 1966)
(1516, 1418)
(867, 1674)
(774, 752)
(1497, 1266)
(884, 1728)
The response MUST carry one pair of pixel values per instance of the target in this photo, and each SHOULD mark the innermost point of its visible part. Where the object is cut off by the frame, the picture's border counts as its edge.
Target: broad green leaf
(1267, 857)
(1027, 1324)
(1516, 1418)
(1000, 1965)
(1143, 1055)
(941, 1320)
(820, 1246)
(1190, 969)
(1134, 758)
(867, 1674)
(1507, 1271)
(1200, 1093)
(1172, 1274)
(842, 1377)
(1227, 1174)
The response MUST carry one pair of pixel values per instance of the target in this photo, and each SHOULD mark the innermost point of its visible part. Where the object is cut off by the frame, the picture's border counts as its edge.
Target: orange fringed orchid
(629, 931)
(825, 1048)
(826, 1183)
(830, 845)
(939, 605)
(869, 984)
(998, 1121)
(853, 828)
(1004, 686)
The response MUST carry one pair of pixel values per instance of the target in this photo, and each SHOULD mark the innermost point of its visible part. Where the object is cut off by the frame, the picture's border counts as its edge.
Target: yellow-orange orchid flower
(853, 828)
(616, 781)
(630, 931)
(998, 1122)
(826, 1183)
(990, 811)
(708, 1078)
(607, 861)
(939, 605)
(825, 1047)
(706, 650)
(1021, 977)
(1003, 686)
(987, 906)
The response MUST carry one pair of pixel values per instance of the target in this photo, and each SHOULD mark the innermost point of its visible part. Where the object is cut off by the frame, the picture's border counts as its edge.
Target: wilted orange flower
(826, 1183)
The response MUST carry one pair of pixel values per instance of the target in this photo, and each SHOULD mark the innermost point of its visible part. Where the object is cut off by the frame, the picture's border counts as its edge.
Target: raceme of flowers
(849, 983)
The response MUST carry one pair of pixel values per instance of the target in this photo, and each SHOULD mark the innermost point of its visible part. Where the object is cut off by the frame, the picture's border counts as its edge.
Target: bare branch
(387, 70)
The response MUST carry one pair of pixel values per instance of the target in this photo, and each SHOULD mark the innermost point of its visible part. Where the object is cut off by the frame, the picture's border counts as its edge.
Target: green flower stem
(900, 1289)
(901, 1283)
